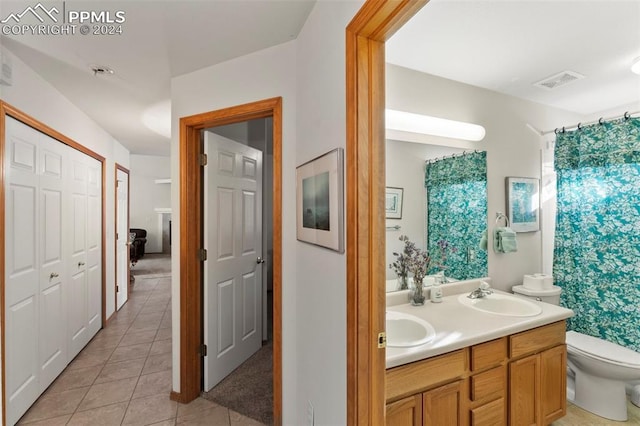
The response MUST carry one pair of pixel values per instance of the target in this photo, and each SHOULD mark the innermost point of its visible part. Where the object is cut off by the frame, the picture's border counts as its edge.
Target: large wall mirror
(444, 207)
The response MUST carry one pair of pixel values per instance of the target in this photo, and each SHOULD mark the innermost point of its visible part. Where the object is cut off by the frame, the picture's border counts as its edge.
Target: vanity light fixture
(635, 68)
(428, 125)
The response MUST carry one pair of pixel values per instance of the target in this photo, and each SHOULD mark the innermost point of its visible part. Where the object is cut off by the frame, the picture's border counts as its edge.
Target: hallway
(123, 376)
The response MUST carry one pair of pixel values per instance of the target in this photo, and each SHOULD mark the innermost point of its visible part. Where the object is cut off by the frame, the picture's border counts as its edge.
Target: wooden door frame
(8, 110)
(191, 294)
(115, 180)
(366, 34)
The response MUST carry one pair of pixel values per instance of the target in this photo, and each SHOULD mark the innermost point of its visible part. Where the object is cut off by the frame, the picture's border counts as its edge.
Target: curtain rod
(627, 115)
(457, 154)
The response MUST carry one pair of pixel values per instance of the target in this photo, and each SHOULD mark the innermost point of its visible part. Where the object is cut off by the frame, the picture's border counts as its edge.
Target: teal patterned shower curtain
(457, 213)
(597, 240)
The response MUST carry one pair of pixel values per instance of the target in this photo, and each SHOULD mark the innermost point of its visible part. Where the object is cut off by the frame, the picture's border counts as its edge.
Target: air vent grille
(558, 80)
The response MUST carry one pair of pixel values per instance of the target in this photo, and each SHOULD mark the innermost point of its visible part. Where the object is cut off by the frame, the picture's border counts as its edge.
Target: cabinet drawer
(491, 414)
(492, 382)
(418, 376)
(535, 340)
(489, 354)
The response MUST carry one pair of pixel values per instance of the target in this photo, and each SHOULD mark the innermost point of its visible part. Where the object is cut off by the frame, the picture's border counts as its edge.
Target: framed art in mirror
(320, 201)
(523, 203)
(393, 202)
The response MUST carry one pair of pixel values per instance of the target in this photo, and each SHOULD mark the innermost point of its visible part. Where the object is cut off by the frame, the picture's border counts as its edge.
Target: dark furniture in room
(136, 250)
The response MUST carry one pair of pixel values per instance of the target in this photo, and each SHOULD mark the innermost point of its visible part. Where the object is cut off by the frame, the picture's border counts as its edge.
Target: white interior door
(94, 246)
(53, 277)
(21, 269)
(122, 238)
(78, 292)
(233, 240)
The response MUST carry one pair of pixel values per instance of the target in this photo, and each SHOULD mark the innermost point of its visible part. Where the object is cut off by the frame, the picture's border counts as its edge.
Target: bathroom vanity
(479, 369)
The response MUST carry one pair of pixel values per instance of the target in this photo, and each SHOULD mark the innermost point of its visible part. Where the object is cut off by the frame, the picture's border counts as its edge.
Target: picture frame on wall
(523, 203)
(320, 201)
(393, 202)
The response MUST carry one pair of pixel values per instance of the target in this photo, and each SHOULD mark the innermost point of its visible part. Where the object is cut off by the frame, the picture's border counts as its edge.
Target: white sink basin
(502, 304)
(405, 330)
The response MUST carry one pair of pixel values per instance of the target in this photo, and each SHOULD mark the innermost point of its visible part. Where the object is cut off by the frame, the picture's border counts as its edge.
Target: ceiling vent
(558, 80)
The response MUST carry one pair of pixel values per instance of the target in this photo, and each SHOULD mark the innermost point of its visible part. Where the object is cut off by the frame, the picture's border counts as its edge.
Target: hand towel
(504, 240)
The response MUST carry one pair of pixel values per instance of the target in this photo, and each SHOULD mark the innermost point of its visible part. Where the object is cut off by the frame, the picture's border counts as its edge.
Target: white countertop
(458, 326)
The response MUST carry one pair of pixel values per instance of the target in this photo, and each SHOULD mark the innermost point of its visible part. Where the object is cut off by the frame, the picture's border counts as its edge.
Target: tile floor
(123, 376)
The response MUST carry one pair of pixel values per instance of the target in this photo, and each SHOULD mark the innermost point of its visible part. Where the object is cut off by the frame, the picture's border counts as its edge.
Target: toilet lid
(603, 349)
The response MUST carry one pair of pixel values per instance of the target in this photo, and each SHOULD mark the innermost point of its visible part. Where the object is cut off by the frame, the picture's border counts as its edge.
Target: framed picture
(523, 203)
(320, 201)
(393, 202)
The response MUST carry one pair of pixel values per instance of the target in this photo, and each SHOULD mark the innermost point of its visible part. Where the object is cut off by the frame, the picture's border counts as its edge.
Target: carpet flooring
(249, 389)
(152, 264)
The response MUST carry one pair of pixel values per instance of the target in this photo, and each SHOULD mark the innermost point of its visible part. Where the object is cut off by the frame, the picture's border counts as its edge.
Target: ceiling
(159, 40)
(501, 45)
(507, 45)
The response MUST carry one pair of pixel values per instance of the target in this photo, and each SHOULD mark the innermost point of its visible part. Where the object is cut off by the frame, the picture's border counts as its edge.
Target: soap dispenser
(436, 291)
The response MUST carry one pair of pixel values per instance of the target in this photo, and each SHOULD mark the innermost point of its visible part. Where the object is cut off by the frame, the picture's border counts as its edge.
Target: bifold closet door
(53, 260)
(22, 385)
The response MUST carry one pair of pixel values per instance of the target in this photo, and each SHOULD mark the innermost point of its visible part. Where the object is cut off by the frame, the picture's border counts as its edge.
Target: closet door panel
(52, 313)
(21, 269)
(94, 244)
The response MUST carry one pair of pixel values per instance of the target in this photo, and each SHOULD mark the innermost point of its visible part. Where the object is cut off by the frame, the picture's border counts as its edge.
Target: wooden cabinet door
(443, 406)
(553, 383)
(406, 412)
(524, 389)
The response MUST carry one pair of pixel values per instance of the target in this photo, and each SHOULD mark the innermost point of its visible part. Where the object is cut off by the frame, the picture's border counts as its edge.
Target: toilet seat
(603, 350)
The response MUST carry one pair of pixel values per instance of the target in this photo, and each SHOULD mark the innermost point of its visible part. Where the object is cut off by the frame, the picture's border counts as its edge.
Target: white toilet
(598, 370)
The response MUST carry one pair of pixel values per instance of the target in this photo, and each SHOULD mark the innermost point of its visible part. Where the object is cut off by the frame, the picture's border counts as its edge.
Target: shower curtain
(457, 214)
(597, 241)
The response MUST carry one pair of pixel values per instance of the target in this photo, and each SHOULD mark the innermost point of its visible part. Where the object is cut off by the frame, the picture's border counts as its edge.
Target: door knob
(259, 260)
(80, 264)
(53, 275)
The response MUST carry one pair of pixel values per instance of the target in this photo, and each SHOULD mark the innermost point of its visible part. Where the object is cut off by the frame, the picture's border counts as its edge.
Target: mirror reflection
(437, 197)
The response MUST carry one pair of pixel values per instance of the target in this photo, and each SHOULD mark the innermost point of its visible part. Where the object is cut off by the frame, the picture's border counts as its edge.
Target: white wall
(512, 148)
(404, 168)
(321, 341)
(146, 196)
(261, 75)
(31, 94)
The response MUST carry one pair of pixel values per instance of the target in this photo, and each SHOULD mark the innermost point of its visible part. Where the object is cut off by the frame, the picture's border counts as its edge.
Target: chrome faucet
(482, 291)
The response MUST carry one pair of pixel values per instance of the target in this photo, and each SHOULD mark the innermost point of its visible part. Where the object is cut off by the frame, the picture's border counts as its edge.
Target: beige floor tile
(163, 334)
(103, 341)
(195, 406)
(54, 405)
(237, 419)
(136, 338)
(157, 363)
(152, 409)
(125, 353)
(120, 370)
(75, 378)
(160, 347)
(154, 307)
(144, 326)
(89, 359)
(216, 416)
(56, 421)
(109, 415)
(171, 422)
(108, 393)
(153, 384)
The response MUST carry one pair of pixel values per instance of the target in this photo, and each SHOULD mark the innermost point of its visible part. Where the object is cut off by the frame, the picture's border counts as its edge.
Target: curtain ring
(627, 115)
(601, 121)
(563, 129)
(556, 131)
(579, 126)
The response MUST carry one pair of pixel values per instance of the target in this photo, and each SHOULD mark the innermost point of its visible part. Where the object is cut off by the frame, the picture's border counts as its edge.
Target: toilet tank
(551, 295)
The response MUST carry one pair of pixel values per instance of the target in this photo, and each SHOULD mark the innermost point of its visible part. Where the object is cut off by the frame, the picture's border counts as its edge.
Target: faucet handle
(484, 285)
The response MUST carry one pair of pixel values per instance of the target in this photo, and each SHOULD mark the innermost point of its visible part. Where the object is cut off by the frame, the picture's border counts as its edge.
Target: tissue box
(537, 282)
